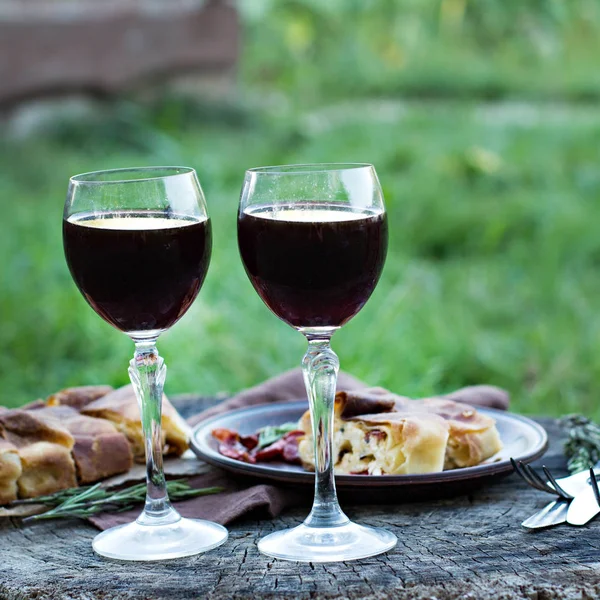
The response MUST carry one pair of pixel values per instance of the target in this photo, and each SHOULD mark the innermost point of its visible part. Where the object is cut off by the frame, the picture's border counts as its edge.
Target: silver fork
(556, 512)
(553, 513)
(529, 475)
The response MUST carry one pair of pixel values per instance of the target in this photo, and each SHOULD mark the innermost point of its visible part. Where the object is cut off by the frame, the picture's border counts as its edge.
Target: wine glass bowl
(139, 267)
(313, 241)
(138, 244)
(313, 265)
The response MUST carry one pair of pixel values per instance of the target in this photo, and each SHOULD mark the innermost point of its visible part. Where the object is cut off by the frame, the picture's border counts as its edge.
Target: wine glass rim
(98, 177)
(306, 168)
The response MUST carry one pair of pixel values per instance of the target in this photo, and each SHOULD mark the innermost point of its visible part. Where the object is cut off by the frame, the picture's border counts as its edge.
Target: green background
(482, 120)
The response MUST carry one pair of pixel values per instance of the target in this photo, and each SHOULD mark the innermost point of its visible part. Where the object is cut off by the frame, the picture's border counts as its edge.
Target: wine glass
(138, 243)
(313, 240)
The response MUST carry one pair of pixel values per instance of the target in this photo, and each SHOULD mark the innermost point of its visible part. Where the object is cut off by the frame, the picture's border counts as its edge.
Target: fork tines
(564, 495)
(530, 477)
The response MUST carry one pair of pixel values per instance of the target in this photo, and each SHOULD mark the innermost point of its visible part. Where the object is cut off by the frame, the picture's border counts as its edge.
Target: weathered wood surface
(468, 548)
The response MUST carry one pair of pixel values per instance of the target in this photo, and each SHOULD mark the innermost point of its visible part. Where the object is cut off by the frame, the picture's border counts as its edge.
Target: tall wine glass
(313, 240)
(138, 244)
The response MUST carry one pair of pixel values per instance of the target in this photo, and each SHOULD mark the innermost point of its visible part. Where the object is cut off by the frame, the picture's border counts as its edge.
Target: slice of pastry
(385, 443)
(99, 451)
(10, 471)
(473, 436)
(378, 432)
(44, 450)
(121, 407)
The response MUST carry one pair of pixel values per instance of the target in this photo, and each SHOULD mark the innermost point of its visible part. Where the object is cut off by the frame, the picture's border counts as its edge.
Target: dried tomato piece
(225, 435)
(272, 452)
(249, 441)
(234, 446)
(236, 451)
(244, 448)
(290, 448)
(285, 448)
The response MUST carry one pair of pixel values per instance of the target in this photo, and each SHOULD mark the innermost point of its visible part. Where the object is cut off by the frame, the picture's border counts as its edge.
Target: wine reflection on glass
(138, 244)
(313, 240)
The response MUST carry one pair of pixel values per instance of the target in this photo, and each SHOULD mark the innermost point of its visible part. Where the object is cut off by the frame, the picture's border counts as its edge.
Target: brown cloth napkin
(287, 387)
(239, 499)
(225, 507)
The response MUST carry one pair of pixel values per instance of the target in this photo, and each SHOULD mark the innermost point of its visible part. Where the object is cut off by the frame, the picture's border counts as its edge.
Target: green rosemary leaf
(95, 499)
(52, 499)
(582, 444)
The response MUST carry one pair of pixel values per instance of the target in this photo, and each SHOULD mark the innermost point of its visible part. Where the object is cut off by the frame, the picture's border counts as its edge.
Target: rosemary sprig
(52, 499)
(582, 446)
(85, 502)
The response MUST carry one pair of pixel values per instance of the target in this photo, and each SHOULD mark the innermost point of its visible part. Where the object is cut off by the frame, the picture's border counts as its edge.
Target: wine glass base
(327, 544)
(135, 541)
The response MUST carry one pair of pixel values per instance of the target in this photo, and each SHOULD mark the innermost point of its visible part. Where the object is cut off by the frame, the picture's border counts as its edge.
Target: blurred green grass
(492, 271)
(491, 274)
(423, 48)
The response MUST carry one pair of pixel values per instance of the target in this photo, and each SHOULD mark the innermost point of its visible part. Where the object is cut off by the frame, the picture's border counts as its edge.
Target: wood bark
(467, 547)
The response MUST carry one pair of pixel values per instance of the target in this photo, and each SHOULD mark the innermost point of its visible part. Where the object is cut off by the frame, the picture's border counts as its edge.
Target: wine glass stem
(147, 371)
(320, 368)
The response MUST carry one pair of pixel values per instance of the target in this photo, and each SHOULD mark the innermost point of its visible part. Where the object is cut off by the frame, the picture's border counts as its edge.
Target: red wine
(140, 271)
(313, 265)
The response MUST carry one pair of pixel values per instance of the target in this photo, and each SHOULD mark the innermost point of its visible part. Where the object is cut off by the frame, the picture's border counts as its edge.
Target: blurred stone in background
(60, 55)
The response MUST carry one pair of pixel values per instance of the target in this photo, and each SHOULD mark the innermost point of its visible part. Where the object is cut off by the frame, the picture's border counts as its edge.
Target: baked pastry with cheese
(387, 442)
(473, 436)
(121, 408)
(378, 432)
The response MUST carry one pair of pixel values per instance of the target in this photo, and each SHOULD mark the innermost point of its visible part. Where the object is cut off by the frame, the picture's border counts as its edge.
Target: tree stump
(468, 547)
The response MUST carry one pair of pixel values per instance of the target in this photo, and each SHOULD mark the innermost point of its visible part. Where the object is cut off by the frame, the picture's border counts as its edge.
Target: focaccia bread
(384, 443)
(121, 408)
(99, 450)
(44, 451)
(47, 468)
(78, 435)
(378, 432)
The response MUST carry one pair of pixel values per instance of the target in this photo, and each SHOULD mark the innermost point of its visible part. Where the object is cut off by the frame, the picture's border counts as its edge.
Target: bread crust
(10, 471)
(99, 451)
(78, 397)
(121, 408)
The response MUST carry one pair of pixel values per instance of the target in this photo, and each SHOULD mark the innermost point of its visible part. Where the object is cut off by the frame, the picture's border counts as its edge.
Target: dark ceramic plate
(523, 440)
